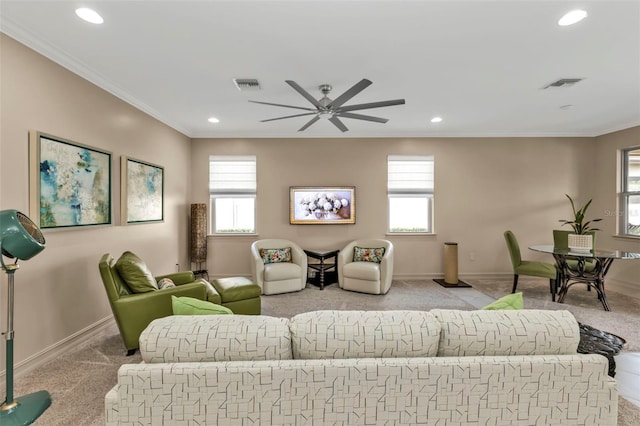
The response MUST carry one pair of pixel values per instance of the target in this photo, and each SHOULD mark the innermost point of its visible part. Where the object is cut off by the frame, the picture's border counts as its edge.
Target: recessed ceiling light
(213, 120)
(572, 17)
(436, 119)
(89, 15)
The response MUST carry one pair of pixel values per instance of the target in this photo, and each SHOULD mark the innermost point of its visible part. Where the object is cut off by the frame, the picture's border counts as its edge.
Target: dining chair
(530, 267)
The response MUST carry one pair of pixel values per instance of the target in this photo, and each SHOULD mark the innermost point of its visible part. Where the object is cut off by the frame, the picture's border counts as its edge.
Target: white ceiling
(481, 65)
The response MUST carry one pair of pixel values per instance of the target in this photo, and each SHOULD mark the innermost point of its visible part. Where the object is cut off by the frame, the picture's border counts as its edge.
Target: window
(232, 189)
(410, 192)
(630, 196)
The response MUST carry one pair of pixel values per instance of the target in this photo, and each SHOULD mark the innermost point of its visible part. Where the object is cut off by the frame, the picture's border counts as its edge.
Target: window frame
(423, 193)
(626, 194)
(236, 193)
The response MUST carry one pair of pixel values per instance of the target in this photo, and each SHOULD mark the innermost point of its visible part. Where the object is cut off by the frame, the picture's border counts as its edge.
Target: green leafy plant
(578, 223)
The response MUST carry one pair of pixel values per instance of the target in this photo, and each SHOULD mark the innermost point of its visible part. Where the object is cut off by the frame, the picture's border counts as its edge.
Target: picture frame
(69, 183)
(322, 205)
(141, 191)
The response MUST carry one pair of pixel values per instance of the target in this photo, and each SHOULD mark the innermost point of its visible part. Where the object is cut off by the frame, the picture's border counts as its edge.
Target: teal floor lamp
(20, 239)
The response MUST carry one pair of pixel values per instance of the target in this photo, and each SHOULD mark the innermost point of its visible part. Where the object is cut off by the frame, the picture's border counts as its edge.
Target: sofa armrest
(257, 267)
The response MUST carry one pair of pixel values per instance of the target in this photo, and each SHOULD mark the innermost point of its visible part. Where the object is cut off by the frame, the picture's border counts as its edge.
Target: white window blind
(232, 189)
(231, 174)
(410, 174)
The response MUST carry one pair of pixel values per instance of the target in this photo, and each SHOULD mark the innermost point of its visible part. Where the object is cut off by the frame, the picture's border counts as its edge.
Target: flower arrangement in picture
(321, 204)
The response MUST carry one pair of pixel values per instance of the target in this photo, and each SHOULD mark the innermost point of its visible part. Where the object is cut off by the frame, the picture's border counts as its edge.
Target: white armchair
(280, 277)
(366, 276)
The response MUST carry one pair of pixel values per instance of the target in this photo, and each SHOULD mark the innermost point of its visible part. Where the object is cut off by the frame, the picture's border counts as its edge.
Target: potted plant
(581, 239)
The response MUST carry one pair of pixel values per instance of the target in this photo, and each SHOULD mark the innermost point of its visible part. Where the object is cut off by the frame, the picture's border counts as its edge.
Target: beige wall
(59, 292)
(483, 187)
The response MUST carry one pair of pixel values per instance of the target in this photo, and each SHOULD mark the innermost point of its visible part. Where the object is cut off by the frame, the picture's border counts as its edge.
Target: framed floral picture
(322, 205)
(69, 183)
(142, 191)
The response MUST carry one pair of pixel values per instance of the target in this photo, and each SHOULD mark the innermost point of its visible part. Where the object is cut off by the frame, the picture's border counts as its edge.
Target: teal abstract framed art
(142, 191)
(69, 183)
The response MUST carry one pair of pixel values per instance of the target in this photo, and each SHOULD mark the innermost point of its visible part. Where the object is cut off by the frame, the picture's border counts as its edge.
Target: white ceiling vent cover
(563, 82)
(247, 84)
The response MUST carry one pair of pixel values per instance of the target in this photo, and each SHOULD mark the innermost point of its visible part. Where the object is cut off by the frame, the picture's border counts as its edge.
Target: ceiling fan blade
(309, 123)
(339, 124)
(288, 116)
(371, 105)
(363, 117)
(304, 93)
(281, 105)
(354, 90)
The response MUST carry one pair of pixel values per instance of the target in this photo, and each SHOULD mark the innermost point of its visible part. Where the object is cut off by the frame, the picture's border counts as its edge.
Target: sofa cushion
(190, 306)
(511, 332)
(135, 273)
(363, 254)
(369, 271)
(364, 334)
(281, 271)
(216, 338)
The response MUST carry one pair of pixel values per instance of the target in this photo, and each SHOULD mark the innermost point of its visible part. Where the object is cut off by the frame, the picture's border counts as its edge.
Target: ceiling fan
(335, 109)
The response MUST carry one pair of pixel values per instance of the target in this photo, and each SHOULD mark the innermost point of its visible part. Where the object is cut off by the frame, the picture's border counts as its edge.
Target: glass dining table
(588, 267)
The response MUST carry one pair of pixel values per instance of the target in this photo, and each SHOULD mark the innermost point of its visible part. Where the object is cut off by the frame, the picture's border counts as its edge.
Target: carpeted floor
(79, 380)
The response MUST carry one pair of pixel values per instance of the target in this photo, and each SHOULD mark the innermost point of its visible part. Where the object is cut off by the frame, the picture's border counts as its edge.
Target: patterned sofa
(442, 367)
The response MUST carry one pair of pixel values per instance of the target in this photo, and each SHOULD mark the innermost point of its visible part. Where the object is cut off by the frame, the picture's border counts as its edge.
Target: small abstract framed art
(69, 183)
(142, 191)
(322, 205)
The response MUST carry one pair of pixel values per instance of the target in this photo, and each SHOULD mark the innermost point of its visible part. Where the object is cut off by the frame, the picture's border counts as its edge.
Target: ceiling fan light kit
(333, 109)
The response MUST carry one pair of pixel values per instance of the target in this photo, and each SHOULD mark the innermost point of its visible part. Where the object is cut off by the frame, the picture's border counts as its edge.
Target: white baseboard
(57, 349)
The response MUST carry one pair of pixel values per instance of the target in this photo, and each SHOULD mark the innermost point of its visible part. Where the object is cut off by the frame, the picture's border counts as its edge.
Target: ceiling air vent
(246, 84)
(563, 82)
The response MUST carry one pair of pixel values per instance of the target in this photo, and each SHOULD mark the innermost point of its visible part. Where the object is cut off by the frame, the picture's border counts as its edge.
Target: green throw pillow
(510, 301)
(135, 273)
(190, 306)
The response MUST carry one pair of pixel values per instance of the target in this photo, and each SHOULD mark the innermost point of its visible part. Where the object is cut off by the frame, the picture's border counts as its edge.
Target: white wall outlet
(472, 256)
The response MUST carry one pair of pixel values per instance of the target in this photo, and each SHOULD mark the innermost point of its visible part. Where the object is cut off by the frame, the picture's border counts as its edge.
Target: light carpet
(79, 380)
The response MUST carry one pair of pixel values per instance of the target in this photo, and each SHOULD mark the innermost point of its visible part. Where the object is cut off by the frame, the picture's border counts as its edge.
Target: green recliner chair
(134, 311)
(530, 267)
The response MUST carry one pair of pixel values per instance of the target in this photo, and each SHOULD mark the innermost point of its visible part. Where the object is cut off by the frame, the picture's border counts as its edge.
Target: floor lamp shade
(198, 233)
(19, 237)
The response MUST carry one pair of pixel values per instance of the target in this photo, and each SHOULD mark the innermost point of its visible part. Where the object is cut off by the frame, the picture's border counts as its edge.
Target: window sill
(411, 234)
(230, 235)
(627, 237)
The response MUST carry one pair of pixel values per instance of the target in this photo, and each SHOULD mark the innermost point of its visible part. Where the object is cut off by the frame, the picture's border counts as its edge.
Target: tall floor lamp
(199, 239)
(20, 239)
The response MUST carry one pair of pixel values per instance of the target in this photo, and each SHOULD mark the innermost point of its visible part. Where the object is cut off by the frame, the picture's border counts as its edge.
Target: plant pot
(580, 243)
